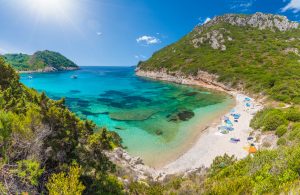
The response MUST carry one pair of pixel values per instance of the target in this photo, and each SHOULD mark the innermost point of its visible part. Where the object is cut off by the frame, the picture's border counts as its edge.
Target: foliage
(29, 170)
(268, 119)
(220, 162)
(281, 130)
(66, 184)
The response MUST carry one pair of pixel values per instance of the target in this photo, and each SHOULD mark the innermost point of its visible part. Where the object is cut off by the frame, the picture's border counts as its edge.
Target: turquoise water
(155, 119)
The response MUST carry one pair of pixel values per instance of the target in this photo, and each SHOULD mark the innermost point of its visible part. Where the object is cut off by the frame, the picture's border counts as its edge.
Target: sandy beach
(212, 143)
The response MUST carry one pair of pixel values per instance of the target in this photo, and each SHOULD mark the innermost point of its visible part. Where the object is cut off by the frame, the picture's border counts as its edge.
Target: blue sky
(114, 32)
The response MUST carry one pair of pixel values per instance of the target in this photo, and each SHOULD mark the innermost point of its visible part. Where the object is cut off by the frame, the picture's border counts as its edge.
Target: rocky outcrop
(292, 50)
(203, 78)
(258, 20)
(133, 166)
(215, 38)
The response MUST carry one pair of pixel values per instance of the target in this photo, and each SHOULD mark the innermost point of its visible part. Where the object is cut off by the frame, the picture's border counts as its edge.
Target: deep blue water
(153, 118)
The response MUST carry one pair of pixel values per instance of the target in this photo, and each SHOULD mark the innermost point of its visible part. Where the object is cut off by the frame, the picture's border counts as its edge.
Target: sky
(115, 32)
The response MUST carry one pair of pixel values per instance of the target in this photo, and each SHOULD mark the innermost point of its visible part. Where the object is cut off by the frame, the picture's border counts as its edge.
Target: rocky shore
(202, 79)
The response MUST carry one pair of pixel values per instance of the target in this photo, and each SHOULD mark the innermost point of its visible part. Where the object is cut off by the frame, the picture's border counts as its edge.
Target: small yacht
(74, 77)
(30, 77)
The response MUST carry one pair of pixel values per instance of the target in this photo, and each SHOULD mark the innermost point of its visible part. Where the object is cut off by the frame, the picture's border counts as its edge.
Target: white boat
(30, 77)
(74, 77)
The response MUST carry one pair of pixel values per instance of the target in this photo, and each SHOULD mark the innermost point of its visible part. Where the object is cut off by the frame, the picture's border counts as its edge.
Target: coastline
(209, 142)
(47, 69)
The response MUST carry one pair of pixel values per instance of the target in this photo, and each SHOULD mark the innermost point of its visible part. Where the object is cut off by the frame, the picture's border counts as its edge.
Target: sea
(157, 121)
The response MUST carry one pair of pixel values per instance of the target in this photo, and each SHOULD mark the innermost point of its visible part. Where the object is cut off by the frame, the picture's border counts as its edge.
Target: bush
(221, 162)
(281, 141)
(66, 184)
(281, 130)
(295, 132)
(293, 115)
(268, 120)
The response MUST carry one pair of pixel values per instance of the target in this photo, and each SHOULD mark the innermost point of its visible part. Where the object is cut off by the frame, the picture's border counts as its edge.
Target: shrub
(281, 141)
(66, 184)
(268, 119)
(221, 162)
(281, 130)
(29, 170)
(293, 115)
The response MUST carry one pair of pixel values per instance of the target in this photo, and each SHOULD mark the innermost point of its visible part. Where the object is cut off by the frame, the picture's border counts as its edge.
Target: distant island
(40, 61)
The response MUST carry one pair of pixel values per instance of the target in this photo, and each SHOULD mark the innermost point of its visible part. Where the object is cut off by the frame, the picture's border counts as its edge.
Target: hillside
(258, 53)
(43, 61)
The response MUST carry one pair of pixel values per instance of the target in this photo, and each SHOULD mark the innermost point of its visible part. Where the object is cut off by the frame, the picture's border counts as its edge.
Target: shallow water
(155, 119)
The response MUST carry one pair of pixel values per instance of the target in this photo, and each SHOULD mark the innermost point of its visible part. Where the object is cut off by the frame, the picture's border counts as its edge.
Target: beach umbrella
(252, 149)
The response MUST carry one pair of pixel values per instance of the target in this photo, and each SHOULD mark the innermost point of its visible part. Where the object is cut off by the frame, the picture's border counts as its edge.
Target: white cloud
(99, 33)
(140, 57)
(149, 40)
(292, 5)
(242, 5)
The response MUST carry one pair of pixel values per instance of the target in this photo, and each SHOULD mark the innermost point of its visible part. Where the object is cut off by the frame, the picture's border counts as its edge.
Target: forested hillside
(46, 148)
(40, 61)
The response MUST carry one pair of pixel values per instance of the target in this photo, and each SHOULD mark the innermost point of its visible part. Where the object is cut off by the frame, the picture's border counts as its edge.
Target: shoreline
(210, 142)
(199, 127)
(46, 70)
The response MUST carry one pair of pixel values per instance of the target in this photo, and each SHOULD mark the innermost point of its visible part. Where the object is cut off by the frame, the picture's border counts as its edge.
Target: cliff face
(258, 53)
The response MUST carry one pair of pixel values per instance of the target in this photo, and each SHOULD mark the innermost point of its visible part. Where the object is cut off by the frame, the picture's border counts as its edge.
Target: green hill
(258, 53)
(40, 61)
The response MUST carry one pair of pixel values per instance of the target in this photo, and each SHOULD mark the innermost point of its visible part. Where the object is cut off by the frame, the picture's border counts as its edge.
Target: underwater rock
(158, 132)
(119, 128)
(110, 93)
(105, 113)
(89, 113)
(74, 91)
(181, 115)
(191, 94)
(132, 115)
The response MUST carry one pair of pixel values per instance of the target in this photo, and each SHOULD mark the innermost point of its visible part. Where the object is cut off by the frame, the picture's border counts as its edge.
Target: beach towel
(228, 122)
(235, 140)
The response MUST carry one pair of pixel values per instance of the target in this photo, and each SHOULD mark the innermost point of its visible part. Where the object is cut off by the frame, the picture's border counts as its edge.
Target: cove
(157, 121)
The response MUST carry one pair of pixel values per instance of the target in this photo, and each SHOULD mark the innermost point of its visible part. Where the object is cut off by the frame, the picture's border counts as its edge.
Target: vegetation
(260, 61)
(39, 61)
(45, 148)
